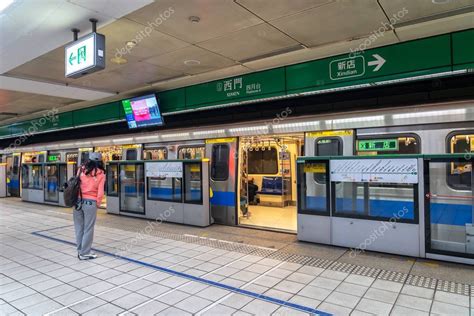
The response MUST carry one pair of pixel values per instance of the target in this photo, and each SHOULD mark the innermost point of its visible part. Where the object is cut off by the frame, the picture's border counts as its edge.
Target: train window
(112, 180)
(400, 145)
(220, 162)
(193, 183)
(25, 175)
(192, 152)
(459, 174)
(327, 146)
(131, 154)
(160, 153)
(263, 161)
(84, 156)
(164, 189)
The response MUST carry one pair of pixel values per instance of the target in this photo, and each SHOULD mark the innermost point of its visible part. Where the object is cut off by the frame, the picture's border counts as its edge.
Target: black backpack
(72, 190)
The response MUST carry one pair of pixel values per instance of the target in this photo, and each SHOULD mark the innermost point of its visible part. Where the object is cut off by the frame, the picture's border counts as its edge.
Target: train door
(13, 175)
(223, 156)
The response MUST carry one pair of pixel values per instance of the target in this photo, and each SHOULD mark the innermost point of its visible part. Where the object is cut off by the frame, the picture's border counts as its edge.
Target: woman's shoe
(87, 257)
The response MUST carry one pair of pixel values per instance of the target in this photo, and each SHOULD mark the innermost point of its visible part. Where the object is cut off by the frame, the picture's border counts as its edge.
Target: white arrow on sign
(379, 62)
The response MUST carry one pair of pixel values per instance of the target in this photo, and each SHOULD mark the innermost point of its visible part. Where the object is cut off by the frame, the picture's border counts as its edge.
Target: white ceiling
(232, 37)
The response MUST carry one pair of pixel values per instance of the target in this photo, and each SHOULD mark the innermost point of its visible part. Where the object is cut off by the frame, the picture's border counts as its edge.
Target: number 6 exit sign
(85, 56)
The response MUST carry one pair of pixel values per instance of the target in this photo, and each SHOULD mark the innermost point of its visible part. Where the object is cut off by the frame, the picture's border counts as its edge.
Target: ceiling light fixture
(131, 44)
(192, 62)
(118, 60)
(441, 1)
(194, 19)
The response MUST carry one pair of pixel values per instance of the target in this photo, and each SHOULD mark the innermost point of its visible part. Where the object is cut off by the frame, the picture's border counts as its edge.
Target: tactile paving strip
(392, 276)
(453, 287)
(421, 281)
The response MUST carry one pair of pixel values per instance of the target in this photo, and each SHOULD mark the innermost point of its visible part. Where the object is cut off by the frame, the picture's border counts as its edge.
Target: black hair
(92, 166)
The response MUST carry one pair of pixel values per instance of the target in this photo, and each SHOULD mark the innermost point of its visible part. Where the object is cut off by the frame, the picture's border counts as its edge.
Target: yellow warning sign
(472, 143)
(347, 132)
(314, 167)
(220, 140)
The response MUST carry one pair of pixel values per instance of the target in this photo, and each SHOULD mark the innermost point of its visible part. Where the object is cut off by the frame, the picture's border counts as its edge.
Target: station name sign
(85, 56)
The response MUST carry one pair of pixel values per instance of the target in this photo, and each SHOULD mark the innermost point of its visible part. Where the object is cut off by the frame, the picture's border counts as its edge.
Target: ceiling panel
(440, 26)
(280, 8)
(333, 22)
(176, 60)
(259, 40)
(217, 17)
(405, 10)
(41, 68)
(318, 52)
(150, 42)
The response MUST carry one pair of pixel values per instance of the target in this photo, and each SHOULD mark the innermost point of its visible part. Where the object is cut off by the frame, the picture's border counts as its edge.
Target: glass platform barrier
(44, 182)
(414, 205)
(164, 190)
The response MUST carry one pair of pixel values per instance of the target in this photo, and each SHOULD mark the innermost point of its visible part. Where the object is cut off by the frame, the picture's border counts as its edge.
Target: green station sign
(378, 145)
(54, 158)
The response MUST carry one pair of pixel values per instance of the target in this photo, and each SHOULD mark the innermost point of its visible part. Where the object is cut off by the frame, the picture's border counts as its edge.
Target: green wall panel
(97, 114)
(463, 47)
(406, 57)
(4, 131)
(236, 88)
(172, 100)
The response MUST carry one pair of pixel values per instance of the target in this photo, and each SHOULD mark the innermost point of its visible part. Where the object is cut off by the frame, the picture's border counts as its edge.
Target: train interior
(267, 181)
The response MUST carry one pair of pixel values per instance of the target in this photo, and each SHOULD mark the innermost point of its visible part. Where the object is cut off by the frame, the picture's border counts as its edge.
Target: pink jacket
(92, 187)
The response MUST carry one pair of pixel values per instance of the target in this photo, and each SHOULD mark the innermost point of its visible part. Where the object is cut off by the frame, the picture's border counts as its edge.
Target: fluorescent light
(5, 4)
(359, 119)
(430, 114)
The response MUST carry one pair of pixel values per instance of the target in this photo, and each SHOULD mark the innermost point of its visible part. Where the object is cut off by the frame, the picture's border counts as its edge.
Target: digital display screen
(142, 111)
(53, 158)
(378, 145)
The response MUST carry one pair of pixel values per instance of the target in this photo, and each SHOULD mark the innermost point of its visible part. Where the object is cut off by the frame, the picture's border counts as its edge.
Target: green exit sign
(378, 145)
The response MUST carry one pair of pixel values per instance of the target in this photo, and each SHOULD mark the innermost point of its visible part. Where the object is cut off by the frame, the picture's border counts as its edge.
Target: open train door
(223, 156)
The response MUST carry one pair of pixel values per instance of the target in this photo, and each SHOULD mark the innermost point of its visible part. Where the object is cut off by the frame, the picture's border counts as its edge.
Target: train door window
(459, 174)
(25, 174)
(16, 163)
(326, 146)
(192, 183)
(160, 153)
(62, 176)
(261, 161)
(191, 152)
(84, 156)
(399, 145)
(131, 154)
(41, 158)
(220, 162)
(112, 180)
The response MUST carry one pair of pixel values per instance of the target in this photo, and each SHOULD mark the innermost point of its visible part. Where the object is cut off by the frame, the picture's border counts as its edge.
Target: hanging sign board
(164, 169)
(85, 56)
(375, 170)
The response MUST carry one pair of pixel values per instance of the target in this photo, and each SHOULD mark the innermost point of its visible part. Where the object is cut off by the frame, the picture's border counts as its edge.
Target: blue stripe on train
(441, 213)
(222, 198)
(14, 184)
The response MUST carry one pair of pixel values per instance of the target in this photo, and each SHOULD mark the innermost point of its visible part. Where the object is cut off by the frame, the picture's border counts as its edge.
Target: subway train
(253, 165)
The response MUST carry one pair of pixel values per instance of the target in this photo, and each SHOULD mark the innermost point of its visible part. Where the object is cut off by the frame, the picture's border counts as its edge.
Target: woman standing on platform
(92, 176)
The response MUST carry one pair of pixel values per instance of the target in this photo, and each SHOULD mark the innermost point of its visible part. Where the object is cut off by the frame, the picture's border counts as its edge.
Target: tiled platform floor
(40, 275)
